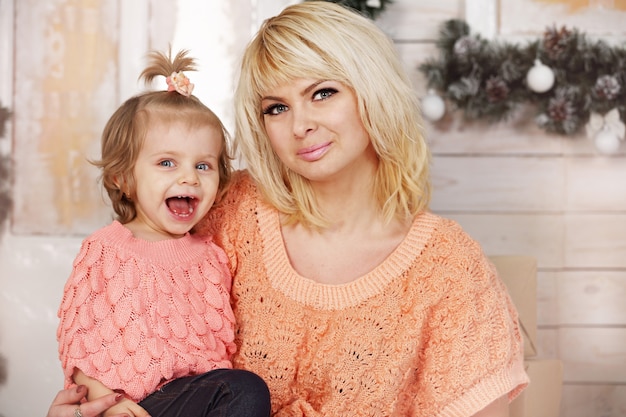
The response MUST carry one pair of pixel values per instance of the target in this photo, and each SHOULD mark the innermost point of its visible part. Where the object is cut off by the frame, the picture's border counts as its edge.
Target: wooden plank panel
(502, 184)
(518, 135)
(547, 343)
(596, 184)
(65, 90)
(557, 241)
(539, 235)
(403, 20)
(585, 400)
(412, 55)
(593, 355)
(595, 240)
(547, 296)
(581, 298)
(599, 17)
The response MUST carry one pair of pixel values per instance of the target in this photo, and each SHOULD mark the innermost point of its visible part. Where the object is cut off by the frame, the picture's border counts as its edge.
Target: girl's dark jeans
(221, 392)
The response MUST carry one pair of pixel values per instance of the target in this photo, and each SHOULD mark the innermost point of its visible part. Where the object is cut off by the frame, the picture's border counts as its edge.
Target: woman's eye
(203, 167)
(275, 109)
(324, 93)
(166, 163)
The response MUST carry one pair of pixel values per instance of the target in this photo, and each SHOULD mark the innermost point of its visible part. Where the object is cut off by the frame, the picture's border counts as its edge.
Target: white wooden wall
(521, 191)
(514, 188)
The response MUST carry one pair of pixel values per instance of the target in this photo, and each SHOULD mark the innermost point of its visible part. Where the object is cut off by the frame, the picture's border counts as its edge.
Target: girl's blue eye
(275, 109)
(167, 163)
(203, 167)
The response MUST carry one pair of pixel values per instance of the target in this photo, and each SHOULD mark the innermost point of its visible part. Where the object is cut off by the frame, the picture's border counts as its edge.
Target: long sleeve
(137, 314)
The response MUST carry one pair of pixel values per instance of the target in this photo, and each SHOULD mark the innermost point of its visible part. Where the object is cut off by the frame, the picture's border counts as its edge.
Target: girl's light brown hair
(126, 130)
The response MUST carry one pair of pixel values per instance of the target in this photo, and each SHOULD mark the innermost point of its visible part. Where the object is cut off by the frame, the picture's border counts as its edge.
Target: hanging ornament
(540, 77)
(606, 142)
(606, 131)
(433, 106)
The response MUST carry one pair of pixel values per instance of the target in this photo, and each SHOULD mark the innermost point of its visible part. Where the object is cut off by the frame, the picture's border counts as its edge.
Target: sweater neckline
(284, 278)
(166, 252)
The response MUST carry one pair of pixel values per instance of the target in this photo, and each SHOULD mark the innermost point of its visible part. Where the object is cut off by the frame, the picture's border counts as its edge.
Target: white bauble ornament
(433, 106)
(540, 78)
(607, 142)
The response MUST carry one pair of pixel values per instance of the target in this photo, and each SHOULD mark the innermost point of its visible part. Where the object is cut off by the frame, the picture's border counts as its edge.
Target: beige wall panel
(547, 343)
(412, 55)
(453, 135)
(596, 17)
(581, 145)
(547, 296)
(538, 235)
(593, 354)
(583, 400)
(65, 89)
(502, 184)
(595, 240)
(596, 184)
(587, 298)
(404, 20)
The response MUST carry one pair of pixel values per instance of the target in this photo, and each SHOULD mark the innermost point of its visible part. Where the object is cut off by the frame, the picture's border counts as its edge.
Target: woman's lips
(313, 153)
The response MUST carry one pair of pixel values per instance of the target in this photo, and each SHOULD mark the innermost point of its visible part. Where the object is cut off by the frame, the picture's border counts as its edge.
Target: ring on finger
(77, 412)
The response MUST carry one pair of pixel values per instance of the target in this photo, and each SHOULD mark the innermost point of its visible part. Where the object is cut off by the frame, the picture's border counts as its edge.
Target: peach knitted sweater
(137, 314)
(429, 332)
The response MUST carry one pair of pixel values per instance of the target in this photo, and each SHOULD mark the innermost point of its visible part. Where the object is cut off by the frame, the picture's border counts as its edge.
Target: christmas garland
(369, 8)
(571, 79)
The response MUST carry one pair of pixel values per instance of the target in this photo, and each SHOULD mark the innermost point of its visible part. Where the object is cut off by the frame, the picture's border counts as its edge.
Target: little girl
(146, 311)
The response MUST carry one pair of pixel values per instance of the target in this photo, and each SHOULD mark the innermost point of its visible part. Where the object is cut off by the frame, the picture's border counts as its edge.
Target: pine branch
(487, 79)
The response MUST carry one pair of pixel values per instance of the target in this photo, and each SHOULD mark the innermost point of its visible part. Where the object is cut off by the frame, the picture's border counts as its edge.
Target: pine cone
(560, 109)
(555, 41)
(562, 112)
(607, 87)
(496, 89)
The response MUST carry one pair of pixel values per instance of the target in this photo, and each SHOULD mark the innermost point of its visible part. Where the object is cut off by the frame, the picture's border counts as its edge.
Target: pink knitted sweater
(430, 332)
(137, 314)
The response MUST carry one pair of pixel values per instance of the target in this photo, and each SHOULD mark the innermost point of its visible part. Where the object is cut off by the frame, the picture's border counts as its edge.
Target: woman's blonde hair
(323, 40)
(126, 130)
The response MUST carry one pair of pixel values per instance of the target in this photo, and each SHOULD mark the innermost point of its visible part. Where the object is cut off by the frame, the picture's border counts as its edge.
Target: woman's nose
(303, 122)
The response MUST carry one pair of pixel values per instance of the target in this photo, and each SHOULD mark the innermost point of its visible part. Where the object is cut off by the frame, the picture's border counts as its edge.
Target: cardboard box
(519, 274)
(542, 397)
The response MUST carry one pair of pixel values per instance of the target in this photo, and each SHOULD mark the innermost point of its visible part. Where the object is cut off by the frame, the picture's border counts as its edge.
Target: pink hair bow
(180, 83)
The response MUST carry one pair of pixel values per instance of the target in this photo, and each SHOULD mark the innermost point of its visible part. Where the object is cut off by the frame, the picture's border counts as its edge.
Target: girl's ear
(120, 184)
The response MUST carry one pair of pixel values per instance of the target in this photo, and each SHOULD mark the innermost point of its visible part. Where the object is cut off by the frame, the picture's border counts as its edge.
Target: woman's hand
(67, 402)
